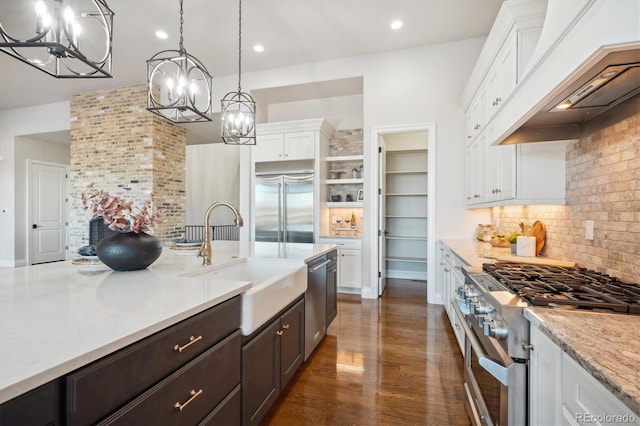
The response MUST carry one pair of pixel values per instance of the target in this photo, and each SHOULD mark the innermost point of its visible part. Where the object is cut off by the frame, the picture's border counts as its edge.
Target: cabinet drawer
(586, 400)
(227, 412)
(196, 388)
(40, 406)
(107, 384)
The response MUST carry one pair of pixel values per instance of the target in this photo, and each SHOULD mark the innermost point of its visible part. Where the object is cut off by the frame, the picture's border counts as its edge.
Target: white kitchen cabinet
(545, 380)
(501, 172)
(563, 392)
(349, 263)
(515, 174)
(477, 115)
(284, 147)
(349, 270)
(476, 169)
(502, 77)
(450, 274)
(585, 400)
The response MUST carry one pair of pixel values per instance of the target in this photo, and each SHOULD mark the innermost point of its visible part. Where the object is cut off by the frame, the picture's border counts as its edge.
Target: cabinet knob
(285, 326)
(527, 346)
(279, 332)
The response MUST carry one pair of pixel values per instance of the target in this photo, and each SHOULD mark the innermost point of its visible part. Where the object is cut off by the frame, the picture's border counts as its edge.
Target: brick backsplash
(345, 143)
(125, 150)
(603, 185)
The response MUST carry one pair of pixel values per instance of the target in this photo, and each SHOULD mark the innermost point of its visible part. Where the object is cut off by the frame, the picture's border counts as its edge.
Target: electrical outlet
(588, 229)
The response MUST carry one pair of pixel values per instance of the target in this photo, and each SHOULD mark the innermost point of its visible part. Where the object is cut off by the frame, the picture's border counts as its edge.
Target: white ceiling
(292, 31)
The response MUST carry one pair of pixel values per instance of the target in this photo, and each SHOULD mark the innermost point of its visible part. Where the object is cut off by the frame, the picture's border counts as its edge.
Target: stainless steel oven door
(495, 385)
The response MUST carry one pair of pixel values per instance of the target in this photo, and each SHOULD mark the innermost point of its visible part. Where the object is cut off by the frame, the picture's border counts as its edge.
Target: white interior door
(48, 212)
(382, 223)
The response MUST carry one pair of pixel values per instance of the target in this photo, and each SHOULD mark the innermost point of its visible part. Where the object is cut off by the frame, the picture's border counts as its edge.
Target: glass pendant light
(179, 85)
(238, 108)
(63, 38)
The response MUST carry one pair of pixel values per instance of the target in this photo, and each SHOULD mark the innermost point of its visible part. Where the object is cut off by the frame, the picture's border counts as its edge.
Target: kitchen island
(58, 317)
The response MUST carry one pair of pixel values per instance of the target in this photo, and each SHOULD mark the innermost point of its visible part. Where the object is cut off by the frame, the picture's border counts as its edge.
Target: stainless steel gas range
(490, 308)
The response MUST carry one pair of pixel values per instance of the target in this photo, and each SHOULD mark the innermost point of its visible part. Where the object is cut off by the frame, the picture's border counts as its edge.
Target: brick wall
(125, 150)
(603, 185)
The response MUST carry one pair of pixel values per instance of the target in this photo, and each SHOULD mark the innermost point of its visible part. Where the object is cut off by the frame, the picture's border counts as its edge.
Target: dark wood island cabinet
(270, 358)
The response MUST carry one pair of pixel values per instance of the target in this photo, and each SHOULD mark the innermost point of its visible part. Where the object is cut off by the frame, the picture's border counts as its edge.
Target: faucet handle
(202, 252)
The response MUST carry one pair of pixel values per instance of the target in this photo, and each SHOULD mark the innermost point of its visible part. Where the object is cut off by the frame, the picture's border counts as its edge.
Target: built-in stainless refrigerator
(284, 208)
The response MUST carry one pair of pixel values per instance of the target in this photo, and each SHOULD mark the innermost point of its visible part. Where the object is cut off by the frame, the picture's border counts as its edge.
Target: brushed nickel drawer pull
(192, 340)
(193, 395)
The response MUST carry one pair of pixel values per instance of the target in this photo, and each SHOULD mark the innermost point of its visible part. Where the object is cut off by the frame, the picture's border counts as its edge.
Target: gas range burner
(555, 286)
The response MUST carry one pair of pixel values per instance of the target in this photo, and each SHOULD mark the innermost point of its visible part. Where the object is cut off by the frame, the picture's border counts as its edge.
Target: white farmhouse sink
(276, 283)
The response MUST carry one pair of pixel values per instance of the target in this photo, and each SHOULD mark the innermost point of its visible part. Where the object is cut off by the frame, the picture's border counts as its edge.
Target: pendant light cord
(239, 43)
(181, 23)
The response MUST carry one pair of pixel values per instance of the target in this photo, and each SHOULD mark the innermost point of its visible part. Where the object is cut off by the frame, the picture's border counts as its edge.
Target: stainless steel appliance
(315, 315)
(495, 364)
(284, 208)
(489, 306)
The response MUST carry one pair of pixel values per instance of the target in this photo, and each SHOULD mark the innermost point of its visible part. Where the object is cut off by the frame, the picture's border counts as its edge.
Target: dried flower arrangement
(121, 215)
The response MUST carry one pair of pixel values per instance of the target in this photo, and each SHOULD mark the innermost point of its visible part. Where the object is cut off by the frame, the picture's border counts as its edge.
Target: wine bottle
(353, 221)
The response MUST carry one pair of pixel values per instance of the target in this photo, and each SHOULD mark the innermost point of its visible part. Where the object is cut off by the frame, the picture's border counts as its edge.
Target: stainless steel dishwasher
(315, 304)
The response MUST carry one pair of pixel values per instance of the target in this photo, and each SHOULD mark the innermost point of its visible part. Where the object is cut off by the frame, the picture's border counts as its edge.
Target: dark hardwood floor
(391, 361)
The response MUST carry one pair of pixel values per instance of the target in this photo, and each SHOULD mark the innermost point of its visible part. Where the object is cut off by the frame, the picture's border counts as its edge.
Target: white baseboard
(349, 290)
(406, 275)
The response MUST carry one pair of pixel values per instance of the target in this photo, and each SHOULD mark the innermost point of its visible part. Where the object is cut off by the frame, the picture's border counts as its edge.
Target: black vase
(128, 251)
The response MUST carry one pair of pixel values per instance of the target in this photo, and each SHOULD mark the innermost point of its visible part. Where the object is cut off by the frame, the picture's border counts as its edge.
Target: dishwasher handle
(314, 268)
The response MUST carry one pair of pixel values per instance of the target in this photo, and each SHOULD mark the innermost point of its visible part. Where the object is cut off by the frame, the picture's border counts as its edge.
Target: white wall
(343, 112)
(13, 123)
(30, 149)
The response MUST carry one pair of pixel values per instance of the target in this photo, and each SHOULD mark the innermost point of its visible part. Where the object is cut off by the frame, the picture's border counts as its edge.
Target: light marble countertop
(57, 317)
(606, 345)
(475, 253)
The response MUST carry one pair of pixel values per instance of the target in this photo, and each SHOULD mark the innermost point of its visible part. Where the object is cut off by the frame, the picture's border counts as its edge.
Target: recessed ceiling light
(396, 25)
(258, 48)
(162, 35)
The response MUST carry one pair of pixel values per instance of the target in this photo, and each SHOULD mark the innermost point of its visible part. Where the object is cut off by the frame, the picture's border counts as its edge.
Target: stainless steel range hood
(611, 82)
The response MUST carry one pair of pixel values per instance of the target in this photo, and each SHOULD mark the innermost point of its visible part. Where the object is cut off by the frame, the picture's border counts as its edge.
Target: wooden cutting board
(538, 230)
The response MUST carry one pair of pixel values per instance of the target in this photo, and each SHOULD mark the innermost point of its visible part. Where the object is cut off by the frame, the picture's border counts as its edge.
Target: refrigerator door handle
(284, 218)
(280, 213)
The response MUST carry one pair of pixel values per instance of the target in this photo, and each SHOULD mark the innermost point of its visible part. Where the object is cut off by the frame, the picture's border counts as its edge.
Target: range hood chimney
(611, 81)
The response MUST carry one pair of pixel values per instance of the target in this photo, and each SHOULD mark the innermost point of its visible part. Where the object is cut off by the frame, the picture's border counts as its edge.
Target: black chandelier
(63, 38)
(179, 85)
(238, 108)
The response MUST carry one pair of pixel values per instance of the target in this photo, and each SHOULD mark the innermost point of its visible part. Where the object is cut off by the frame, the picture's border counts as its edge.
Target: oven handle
(495, 368)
